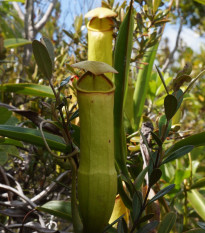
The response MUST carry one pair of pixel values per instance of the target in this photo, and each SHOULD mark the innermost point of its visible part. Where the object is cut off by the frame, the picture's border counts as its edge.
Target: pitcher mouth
(100, 25)
(95, 87)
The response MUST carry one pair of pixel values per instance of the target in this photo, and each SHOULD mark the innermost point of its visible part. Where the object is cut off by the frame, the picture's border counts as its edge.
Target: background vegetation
(32, 178)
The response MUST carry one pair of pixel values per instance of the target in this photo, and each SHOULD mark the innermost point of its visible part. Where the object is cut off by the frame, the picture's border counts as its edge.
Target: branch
(49, 188)
(38, 26)
(6, 180)
(2, 186)
(6, 228)
(19, 11)
(171, 55)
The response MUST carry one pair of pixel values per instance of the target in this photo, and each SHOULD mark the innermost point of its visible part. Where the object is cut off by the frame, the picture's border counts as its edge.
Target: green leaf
(154, 176)
(162, 126)
(156, 4)
(200, 75)
(5, 115)
(125, 198)
(109, 227)
(122, 57)
(146, 218)
(15, 42)
(178, 153)
(157, 139)
(95, 67)
(28, 89)
(199, 184)
(9, 141)
(148, 227)
(197, 201)
(122, 226)
(3, 157)
(180, 175)
(170, 105)
(33, 136)
(194, 140)
(42, 58)
(161, 193)
(61, 209)
(49, 47)
(140, 178)
(136, 204)
(74, 115)
(197, 230)
(142, 84)
(179, 96)
(179, 81)
(200, 1)
(167, 223)
(162, 79)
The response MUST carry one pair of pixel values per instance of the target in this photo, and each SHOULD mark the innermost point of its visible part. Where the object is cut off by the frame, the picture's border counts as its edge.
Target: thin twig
(6, 182)
(3, 186)
(171, 55)
(49, 188)
(6, 228)
(76, 150)
(39, 25)
(18, 186)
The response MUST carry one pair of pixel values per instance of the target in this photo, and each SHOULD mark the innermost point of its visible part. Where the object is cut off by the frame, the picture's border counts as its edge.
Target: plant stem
(185, 203)
(141, 210)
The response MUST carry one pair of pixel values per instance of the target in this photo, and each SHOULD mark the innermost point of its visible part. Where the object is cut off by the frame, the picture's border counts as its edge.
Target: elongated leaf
(162, 192)
(178, 82)
(142, 85)
(198, 202)
(5, 115)
(199, 184)
(157, 139)
(42, 58)
(123, 194)
(3, 157)
(33, 136)
(162, 79)
(146, 218)
(200, 75)
(179, 96)
(162, 126)
(9, 141)
(136, 205)
(140, 178)
(154, 176)
(122, 226)
(49, 47)
(15, 42)
(197, 230)
(156, 4)
(28, 89)
(178, 153)
(170, 105)
(195, 140)
(95, 67)
(61, 209)
(148, 227)
(122, 56)
(167, 223)
(200, 1)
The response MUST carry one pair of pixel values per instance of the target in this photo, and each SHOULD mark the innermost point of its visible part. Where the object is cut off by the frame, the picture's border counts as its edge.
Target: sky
(70, 8)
